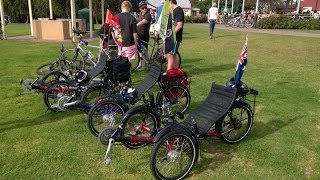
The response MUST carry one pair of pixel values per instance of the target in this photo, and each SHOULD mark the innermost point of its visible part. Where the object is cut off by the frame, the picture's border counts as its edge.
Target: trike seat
(148, 82)
(214, 108)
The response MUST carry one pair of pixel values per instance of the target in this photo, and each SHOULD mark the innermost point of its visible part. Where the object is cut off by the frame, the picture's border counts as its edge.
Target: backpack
(177, 76)
(121, 69)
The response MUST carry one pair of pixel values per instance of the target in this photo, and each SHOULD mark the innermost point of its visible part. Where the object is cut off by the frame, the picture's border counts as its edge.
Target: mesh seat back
(96, 70)
(214, 108)
(148, 82)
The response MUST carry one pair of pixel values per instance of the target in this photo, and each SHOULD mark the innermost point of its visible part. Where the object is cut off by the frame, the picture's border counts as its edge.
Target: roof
(184, 4)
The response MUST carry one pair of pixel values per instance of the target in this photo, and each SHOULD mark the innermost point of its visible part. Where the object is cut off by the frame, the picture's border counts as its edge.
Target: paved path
(269, 31)
(218, 26)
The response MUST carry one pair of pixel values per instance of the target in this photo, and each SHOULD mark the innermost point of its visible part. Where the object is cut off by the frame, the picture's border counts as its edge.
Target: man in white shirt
(213, 15)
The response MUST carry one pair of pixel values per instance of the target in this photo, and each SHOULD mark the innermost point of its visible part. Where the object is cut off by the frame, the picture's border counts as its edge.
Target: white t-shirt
(213, 11)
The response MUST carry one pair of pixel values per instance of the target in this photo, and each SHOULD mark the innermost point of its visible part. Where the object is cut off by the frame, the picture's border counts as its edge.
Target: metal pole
(298, 6)
(102, 11)
(31, 17)
(242, 11)
(257, 6)
(2, 20)
(225, 6)
(90, 18)
(50, 8)
(232, 7)
(73, 17)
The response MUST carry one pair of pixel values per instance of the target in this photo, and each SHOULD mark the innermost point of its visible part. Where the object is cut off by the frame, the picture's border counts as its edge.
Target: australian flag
(241, 66)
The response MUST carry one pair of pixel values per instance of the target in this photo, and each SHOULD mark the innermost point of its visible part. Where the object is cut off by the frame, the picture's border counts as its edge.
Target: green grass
(283, 144)
(14, 29)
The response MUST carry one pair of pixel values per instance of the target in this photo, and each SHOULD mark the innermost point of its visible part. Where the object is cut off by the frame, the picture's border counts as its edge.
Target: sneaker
(211, 37)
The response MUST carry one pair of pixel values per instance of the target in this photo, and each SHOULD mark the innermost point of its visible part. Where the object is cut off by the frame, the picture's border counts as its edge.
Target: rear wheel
(58, 94)
(104, 114)
(135, 62)
(139, 124)
(237, 123)
(173, 156)
(71, 60)
(47, 68)
(178, 97)
(91, 95)
(53, 77)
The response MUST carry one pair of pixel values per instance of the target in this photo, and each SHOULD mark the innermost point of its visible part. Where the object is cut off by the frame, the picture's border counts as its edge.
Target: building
(310, 4)
(184, 4)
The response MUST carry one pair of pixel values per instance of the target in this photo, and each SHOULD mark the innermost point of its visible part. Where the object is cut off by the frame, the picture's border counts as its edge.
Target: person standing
(178, 18)
(129, 36)
(143, 27)
(213, 16)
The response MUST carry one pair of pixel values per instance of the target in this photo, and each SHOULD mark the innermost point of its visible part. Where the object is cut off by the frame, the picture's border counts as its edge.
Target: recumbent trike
(226, 113)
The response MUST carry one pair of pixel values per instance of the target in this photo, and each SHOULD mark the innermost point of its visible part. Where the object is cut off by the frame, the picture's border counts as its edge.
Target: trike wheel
(53, 77)
(93, 94)
(104, 114)
(237, 123)
(58, 94)
(135, 62)
(173, 156)
(47, 68)
(139, 124)
(178, 96)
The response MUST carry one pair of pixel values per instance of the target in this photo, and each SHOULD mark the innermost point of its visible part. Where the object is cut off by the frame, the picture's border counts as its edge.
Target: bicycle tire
(175, 93)
(233, 123)
(133, 123)
(135, 62)
(164, 61)
(52, 77)
(92, 94)
(73, 61)
(46, 68)
(99, 116)
(53, 94)
(165, 154)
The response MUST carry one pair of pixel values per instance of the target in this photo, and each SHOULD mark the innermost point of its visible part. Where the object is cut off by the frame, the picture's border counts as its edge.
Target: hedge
(196, 19)
(286, 22)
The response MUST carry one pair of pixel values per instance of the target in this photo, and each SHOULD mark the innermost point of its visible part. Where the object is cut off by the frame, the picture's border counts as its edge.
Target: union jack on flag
(241, 66)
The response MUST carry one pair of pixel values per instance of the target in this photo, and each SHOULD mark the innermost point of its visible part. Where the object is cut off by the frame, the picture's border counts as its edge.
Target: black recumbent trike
(226, 113)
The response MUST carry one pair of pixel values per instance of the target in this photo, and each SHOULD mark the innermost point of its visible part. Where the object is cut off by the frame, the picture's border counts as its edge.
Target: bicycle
(156, 54)
(63, 95)
(108, 112)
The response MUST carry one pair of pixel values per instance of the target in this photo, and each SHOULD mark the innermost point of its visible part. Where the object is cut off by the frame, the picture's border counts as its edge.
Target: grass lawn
(283, 144)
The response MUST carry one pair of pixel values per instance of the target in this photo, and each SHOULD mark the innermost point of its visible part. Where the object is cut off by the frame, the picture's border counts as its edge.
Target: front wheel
(92, 94)
(173, 156)
(104, 114)
(237, 123)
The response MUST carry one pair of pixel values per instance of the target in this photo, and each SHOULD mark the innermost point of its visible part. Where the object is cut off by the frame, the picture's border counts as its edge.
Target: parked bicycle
(156, 54)
(172, 97)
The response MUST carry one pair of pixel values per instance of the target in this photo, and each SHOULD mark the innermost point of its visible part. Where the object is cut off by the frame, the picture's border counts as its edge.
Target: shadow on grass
(200, 70)
(262, 129)
(213, 154)
(227, 35)
(45, 118)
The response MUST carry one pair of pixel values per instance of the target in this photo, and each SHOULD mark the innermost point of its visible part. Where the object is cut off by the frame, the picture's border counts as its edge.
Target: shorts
(129, 52)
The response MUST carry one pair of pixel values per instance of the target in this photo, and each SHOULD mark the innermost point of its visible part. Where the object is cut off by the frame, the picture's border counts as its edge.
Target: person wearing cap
(213, 15)
(128, 25)
(143, 27)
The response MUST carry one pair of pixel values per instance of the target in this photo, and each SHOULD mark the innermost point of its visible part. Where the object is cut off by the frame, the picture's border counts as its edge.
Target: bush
(288, 22)
(196, 19)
